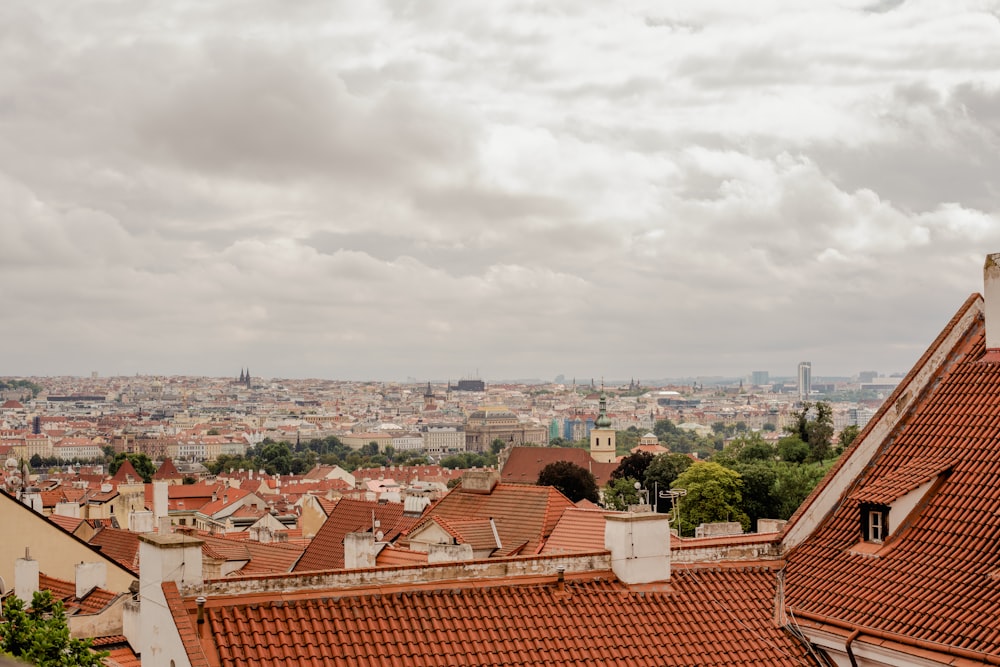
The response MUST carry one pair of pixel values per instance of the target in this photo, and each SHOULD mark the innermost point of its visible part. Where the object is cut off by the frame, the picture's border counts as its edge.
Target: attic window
(874, 522)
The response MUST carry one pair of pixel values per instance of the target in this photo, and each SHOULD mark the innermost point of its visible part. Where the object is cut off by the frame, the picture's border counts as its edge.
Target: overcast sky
(383, 190)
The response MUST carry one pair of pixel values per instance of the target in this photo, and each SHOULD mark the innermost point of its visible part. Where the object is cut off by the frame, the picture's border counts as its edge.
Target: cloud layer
(393, 189)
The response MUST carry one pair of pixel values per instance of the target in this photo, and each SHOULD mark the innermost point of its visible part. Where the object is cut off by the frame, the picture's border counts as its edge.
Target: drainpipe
(847, 645)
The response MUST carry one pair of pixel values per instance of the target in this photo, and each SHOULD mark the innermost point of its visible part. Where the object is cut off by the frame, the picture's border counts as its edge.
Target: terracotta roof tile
(579, 530)
(703, 617)
(95, 601)
(119, 545)
(524, 463)
(326, 551)
(933, 579)
(524, 515)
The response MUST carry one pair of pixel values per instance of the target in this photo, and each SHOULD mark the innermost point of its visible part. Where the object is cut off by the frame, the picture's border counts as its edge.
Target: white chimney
(991, 295)
(160, 500)
(25, 577)
(640, 546)
(359, 550)
(90, 576)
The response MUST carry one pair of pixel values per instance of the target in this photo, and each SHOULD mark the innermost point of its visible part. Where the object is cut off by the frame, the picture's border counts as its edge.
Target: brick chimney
(991, 295)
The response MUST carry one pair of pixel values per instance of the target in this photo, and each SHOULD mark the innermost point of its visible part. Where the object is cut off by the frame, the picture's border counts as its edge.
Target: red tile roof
(167, 470)
(702, 617)
(934, 580)
(67, 523)
(524, 515)
(93, 602)
(126, 471)
(524, 463)
(119, 545)
(578, 531)
(326, 551)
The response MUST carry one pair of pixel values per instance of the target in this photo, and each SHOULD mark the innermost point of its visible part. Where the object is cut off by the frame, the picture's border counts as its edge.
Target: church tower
(602, 436)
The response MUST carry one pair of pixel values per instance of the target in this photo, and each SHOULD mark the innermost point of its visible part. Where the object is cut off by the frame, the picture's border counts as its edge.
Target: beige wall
(56, 551)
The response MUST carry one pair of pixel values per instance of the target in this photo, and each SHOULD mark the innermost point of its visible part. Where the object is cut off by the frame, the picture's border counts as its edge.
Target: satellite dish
(379, 535)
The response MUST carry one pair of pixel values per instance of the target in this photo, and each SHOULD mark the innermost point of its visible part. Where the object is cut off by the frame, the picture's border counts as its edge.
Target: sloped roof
(120, 545)
(167, 470)
(704, 617)
(578, 531)
(934, 580)
(326, 551)
(126, 470)
(524, 463)
(94, 602)
(524, 515)
(67, 523)
(269, 558)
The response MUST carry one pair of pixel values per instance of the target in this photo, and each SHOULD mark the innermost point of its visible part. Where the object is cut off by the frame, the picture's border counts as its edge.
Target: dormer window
(874, 522)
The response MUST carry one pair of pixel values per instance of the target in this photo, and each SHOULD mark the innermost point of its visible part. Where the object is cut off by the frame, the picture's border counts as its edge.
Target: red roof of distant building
(524, 463)
(167, 470)
(126, 471)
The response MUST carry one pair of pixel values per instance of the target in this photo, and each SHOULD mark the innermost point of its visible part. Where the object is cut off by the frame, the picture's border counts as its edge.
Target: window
(874, 522)
(875, 526)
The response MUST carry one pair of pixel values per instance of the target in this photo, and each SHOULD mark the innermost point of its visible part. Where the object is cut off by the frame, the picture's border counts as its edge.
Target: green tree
(275, 458)
(661, 473)
(139, 461)
(847, 436)
(792, 449)
(627, 440)
(620, 493)
(573, 481)
(795, 482)
(36, 461)
(40, 635)
(633, 465)
(714, 493)
(813, 425)
(760, 500)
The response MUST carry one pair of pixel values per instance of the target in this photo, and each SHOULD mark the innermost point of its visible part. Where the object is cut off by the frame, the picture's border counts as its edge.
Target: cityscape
(395, 334)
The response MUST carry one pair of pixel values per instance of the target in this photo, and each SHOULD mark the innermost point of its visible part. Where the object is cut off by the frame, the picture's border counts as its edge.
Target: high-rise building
(805, 380)
(759, 378)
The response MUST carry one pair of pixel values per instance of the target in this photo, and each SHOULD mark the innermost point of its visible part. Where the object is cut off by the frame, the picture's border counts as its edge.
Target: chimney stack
(26, 577)
(90, 576)
(991, 295)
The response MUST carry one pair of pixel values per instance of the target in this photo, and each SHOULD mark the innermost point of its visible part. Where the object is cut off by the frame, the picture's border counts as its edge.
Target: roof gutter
(857, 631)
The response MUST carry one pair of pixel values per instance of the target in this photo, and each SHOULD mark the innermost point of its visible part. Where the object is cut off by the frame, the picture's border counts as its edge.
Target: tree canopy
(573, 481)
(633, 465)
(714, 493)
(40, 635)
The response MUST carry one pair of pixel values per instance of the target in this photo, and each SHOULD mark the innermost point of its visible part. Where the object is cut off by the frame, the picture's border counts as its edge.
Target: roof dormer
(888, 503)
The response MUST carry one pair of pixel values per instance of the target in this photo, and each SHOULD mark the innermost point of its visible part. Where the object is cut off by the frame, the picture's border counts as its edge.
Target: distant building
(805, 380)
(760, 378)
(470, 385)
(488, 424)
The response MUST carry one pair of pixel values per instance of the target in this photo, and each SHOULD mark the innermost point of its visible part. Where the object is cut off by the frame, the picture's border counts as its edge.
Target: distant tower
(805, 380)
(602, 436)
(243, 378)
(246, 380)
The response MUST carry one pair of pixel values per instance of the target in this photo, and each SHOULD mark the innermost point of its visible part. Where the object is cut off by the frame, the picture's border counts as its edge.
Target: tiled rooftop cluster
(703, 617)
